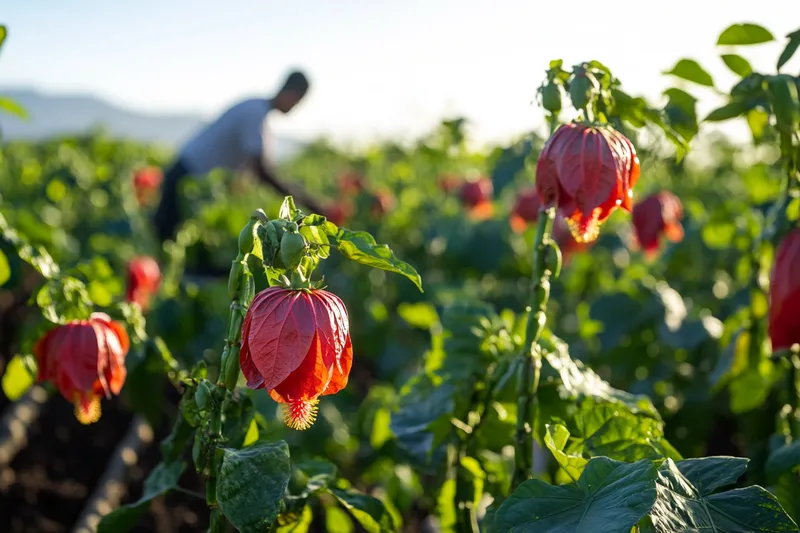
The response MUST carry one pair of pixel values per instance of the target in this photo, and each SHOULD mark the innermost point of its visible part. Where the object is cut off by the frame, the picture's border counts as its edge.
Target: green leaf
(788, 493)
(3, 34)
(424, 407)
(5, 269)
(708, 474)
(361, 247)
(690, 70)
(370, 512)
(288, 209)
(337, 520)
(742, 34)
(757, 120)
(784, 459)
(320, 475)
(160, 481)
(250, 484)
(581, 382)
(301, 525)
(727, 112)
(556, 440)
(681, 112)
(605, 429)
(791, 48)
(738, 64)
(420, 315)
(17, 379)
(681, 507)
(609, 496)
(11, 107)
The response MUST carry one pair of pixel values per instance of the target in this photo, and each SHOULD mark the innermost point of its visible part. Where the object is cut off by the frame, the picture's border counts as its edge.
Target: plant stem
(528, 376)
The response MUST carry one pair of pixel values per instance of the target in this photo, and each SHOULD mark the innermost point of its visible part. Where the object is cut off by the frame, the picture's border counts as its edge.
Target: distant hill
(54, 115)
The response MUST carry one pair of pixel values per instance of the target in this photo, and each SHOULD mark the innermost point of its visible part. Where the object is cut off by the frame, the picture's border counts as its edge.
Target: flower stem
(529, 370)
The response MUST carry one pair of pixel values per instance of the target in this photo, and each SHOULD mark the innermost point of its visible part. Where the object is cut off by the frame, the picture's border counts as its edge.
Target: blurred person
(236, 140)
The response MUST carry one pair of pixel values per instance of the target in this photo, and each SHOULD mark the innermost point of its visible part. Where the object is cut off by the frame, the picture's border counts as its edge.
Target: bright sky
(377, 68)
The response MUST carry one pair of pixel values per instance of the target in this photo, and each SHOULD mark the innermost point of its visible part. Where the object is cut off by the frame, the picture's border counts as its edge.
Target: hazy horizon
(375, 72)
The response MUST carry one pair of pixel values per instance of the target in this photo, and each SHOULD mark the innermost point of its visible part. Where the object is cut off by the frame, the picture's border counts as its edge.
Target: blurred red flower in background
(476, 196)
(86, 360)
(784, 293)
(658, 214)
(144, 279)
(526, 210)
(146, 182)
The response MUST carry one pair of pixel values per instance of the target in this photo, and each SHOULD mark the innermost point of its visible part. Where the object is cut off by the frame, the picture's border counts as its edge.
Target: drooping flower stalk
(530, 357)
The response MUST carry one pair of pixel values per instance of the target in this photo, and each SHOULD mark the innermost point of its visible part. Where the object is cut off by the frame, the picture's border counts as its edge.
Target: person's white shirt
(235, 138)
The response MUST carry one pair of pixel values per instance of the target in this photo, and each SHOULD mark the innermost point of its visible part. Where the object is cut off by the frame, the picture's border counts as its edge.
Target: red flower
(587, 172)
(144, 278)
(566, 241)
(658, 214)
(476, 195)
(784, 295)
(526, 210)
(86, 360)
(382, 203)
(351, 182)
(146, 182)
(296, 344)
(339, 213)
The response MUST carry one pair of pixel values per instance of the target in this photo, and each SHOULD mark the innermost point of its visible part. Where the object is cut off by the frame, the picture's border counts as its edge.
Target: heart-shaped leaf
(610, 496)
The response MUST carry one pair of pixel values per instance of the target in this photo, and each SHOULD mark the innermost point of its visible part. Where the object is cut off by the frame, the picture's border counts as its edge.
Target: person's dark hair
(296, 82)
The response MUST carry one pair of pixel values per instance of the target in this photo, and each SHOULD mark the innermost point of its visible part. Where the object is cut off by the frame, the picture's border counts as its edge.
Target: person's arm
(267, 175)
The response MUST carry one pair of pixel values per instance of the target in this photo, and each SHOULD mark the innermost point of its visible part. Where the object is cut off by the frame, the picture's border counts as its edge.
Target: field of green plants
(599, 332)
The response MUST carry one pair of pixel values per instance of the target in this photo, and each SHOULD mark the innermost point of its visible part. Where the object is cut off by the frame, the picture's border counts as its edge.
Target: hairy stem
(528, 375)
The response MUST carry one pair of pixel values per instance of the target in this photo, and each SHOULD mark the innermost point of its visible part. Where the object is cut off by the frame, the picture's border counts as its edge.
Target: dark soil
(47, 485)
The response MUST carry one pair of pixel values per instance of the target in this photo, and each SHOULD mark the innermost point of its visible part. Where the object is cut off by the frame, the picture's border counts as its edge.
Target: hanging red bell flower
(526, 210)
(658, 214)
(296, 344)
(587, 172)
(784, 294)
(476, 196)
(339, 213)
(350, 183)
(144, 278)
(86, 360)
(146, 181)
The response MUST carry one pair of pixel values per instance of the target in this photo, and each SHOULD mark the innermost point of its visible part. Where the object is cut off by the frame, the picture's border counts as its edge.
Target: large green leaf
(5, 269)
(784, 459)
(361, 247)
(251, 483)
(603, 429)
(160, 481)
(681, 507)
(580, 382)
(737, 64)
(708, 474)
(424, 407)
(742, 34)
(370, 512)
(791, 48)
(610, 496)
(690, 70)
